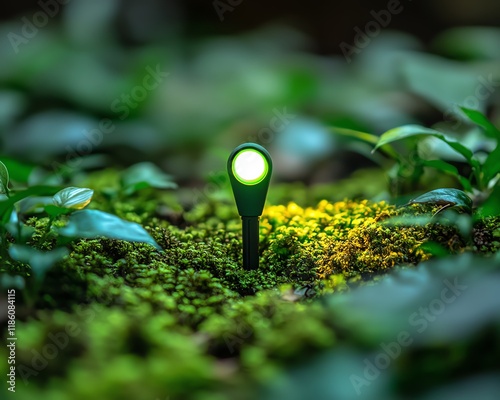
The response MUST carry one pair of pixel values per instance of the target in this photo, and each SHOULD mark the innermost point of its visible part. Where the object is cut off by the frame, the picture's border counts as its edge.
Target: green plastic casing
(250, 200)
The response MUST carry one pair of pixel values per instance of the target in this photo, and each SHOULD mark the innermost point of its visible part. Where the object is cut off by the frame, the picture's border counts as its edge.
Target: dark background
(326, 23)
(228, 78)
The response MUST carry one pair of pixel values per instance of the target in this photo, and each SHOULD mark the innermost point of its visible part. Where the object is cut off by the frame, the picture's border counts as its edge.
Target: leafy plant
(144, 175)
(409, 165)
(91, 224)
(485, 173)
(445, 198)
(64, 205)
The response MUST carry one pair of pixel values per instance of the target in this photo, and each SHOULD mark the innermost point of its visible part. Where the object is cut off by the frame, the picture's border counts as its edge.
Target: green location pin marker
(250, 167)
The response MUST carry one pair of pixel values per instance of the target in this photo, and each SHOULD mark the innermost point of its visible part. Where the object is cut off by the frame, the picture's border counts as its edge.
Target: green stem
(6, 190)
(47, 230)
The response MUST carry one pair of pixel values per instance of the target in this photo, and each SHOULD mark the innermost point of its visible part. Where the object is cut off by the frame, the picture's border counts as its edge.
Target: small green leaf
(73, 197)
(17, 229)
(7, 206)
(435, 249)
(480, 119)
(144, 175)
(4, 178)
(40, 262)
(365, 137)
(55, 211)
(452, 197)
(12, 282)
(33, 204)
(449, 169)
(92, 224)
(491, 206)
(407, 131)
(491, 166)
(19, 172)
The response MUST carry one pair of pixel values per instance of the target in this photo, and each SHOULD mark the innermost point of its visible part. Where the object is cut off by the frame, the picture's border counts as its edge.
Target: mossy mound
(188, 321)
(356, 238)
(200, 265)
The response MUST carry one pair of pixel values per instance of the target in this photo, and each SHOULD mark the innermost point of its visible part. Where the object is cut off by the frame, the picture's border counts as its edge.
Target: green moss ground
(188, 322)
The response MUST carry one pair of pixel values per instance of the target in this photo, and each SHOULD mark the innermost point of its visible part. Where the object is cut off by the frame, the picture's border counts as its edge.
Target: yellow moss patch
(344, 237)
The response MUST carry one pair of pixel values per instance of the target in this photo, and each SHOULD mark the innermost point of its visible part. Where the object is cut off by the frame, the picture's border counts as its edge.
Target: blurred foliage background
(91, 84)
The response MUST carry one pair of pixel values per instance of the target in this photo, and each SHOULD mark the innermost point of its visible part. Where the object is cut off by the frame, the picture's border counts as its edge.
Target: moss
(134, 355)
(350, 238)
(201, 264)
(486, 235)
(189, 322)
(260, 322)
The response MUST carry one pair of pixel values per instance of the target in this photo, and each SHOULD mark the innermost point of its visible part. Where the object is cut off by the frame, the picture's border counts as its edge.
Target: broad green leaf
(73, 197)
(448, 196)
(363, 136)
(40, 262)
(7, 206)
(449, 169)
(19, 172)
(491, 166)
(435, 249)
(4, 178)
(33, 204)
(442, 82)
(92, 224)
(370, 312)
(17, 229)
(145, 175)
(367, 138)
(407, 131)
(12, 282)
(55, 211)
(480, 119)
(491, 207)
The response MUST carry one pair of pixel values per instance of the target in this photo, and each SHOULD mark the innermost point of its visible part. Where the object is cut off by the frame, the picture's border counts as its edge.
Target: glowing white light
(250, 166)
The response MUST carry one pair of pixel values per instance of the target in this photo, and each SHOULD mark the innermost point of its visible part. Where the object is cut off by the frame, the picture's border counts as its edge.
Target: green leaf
(480, 119)
(73, 197)
(7, 206)
(92, 224)
(435, 249)
(491, 206)
(442, 82)
(407, 131)
(33, 204)
(370, 312)
(365, 137)
(491, 166)
(12, 282)
(144, 175)
(55, 211)
(17, 229)
(4, 178)
(19, 172)
(449, 169)
(40, 262)
(453, 197)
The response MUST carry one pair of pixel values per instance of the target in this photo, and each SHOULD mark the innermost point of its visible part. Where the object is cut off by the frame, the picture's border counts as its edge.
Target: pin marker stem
(249, 167)
(250, 242)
